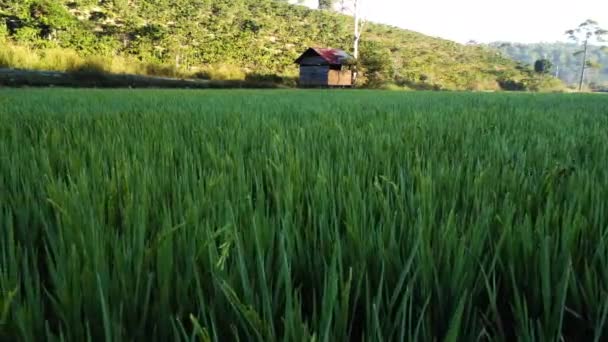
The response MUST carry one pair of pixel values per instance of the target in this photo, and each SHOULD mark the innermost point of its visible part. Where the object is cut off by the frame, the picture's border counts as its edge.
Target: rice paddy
(156, 215)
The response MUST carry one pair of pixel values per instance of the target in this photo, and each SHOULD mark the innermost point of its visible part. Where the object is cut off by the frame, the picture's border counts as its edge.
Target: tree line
(238, 39)
(580, 62)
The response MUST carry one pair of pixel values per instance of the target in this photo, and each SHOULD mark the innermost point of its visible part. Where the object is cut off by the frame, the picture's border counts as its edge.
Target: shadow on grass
(92, 78)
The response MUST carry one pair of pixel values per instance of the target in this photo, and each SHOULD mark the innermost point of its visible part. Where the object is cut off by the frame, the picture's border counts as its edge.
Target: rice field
(244, 215)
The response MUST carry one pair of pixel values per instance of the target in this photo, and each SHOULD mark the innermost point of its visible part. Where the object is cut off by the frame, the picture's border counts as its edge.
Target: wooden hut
(325, 67)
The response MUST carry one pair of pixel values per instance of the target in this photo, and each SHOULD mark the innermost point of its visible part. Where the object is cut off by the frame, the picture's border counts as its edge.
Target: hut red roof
(332, 56)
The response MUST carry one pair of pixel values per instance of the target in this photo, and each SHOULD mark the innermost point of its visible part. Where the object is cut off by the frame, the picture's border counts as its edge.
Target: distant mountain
(566, 65)
(235, 39)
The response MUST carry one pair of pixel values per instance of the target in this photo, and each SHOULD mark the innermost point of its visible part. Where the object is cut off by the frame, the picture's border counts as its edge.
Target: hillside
(233, 39)
(566, 64)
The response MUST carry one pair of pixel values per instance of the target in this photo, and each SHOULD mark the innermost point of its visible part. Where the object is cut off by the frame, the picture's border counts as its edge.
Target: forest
(566, 65)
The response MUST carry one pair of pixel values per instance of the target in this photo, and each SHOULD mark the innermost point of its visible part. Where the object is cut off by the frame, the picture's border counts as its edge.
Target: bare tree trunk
(357, 29)
(357, 39)
(580, 83)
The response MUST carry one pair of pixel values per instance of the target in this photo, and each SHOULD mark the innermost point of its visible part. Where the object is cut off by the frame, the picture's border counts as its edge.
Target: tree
(326, 4)
(352, 7)
(376, 63)
(542, 66)
(346, 6)
(584, 34)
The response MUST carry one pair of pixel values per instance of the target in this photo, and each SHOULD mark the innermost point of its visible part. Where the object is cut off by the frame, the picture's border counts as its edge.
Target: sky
(523, 21)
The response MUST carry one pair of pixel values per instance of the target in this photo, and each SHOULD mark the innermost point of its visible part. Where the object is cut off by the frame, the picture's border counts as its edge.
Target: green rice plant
(302, 216)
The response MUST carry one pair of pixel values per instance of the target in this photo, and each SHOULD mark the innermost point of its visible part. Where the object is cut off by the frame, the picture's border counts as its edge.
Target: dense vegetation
(302, 216)
(234, 39)
(562, 55)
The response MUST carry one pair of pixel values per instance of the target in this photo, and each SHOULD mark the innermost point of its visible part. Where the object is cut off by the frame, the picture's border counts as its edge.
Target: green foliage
(376, 65)
(221, 72)
(26, 35)
(593, 65)
(561, 55)
(326, 4)
(544, 84)
(302, 215)
(3, 33)
(49, 13)
(543, 66)
(512, 85)
(59, 59)
(259, 37)
(19, 57)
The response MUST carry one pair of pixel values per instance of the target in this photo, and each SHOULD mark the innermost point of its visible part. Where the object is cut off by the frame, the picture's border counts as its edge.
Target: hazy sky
(523, 21)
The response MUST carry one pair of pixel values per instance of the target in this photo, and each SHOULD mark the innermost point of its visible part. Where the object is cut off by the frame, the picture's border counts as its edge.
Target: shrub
(483, 84)
(18, 57)
(27, 34)
(122, 65)
(222, 72)
(59, 60)
(510, 84)
(393, 87)
(3, 32)
(264, 78)
(93, 65)
(548, 84)
(158, 69)
(376, 64)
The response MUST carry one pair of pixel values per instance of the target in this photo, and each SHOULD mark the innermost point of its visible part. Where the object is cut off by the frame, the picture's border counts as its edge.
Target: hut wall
(314, 75)
(340, 78)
